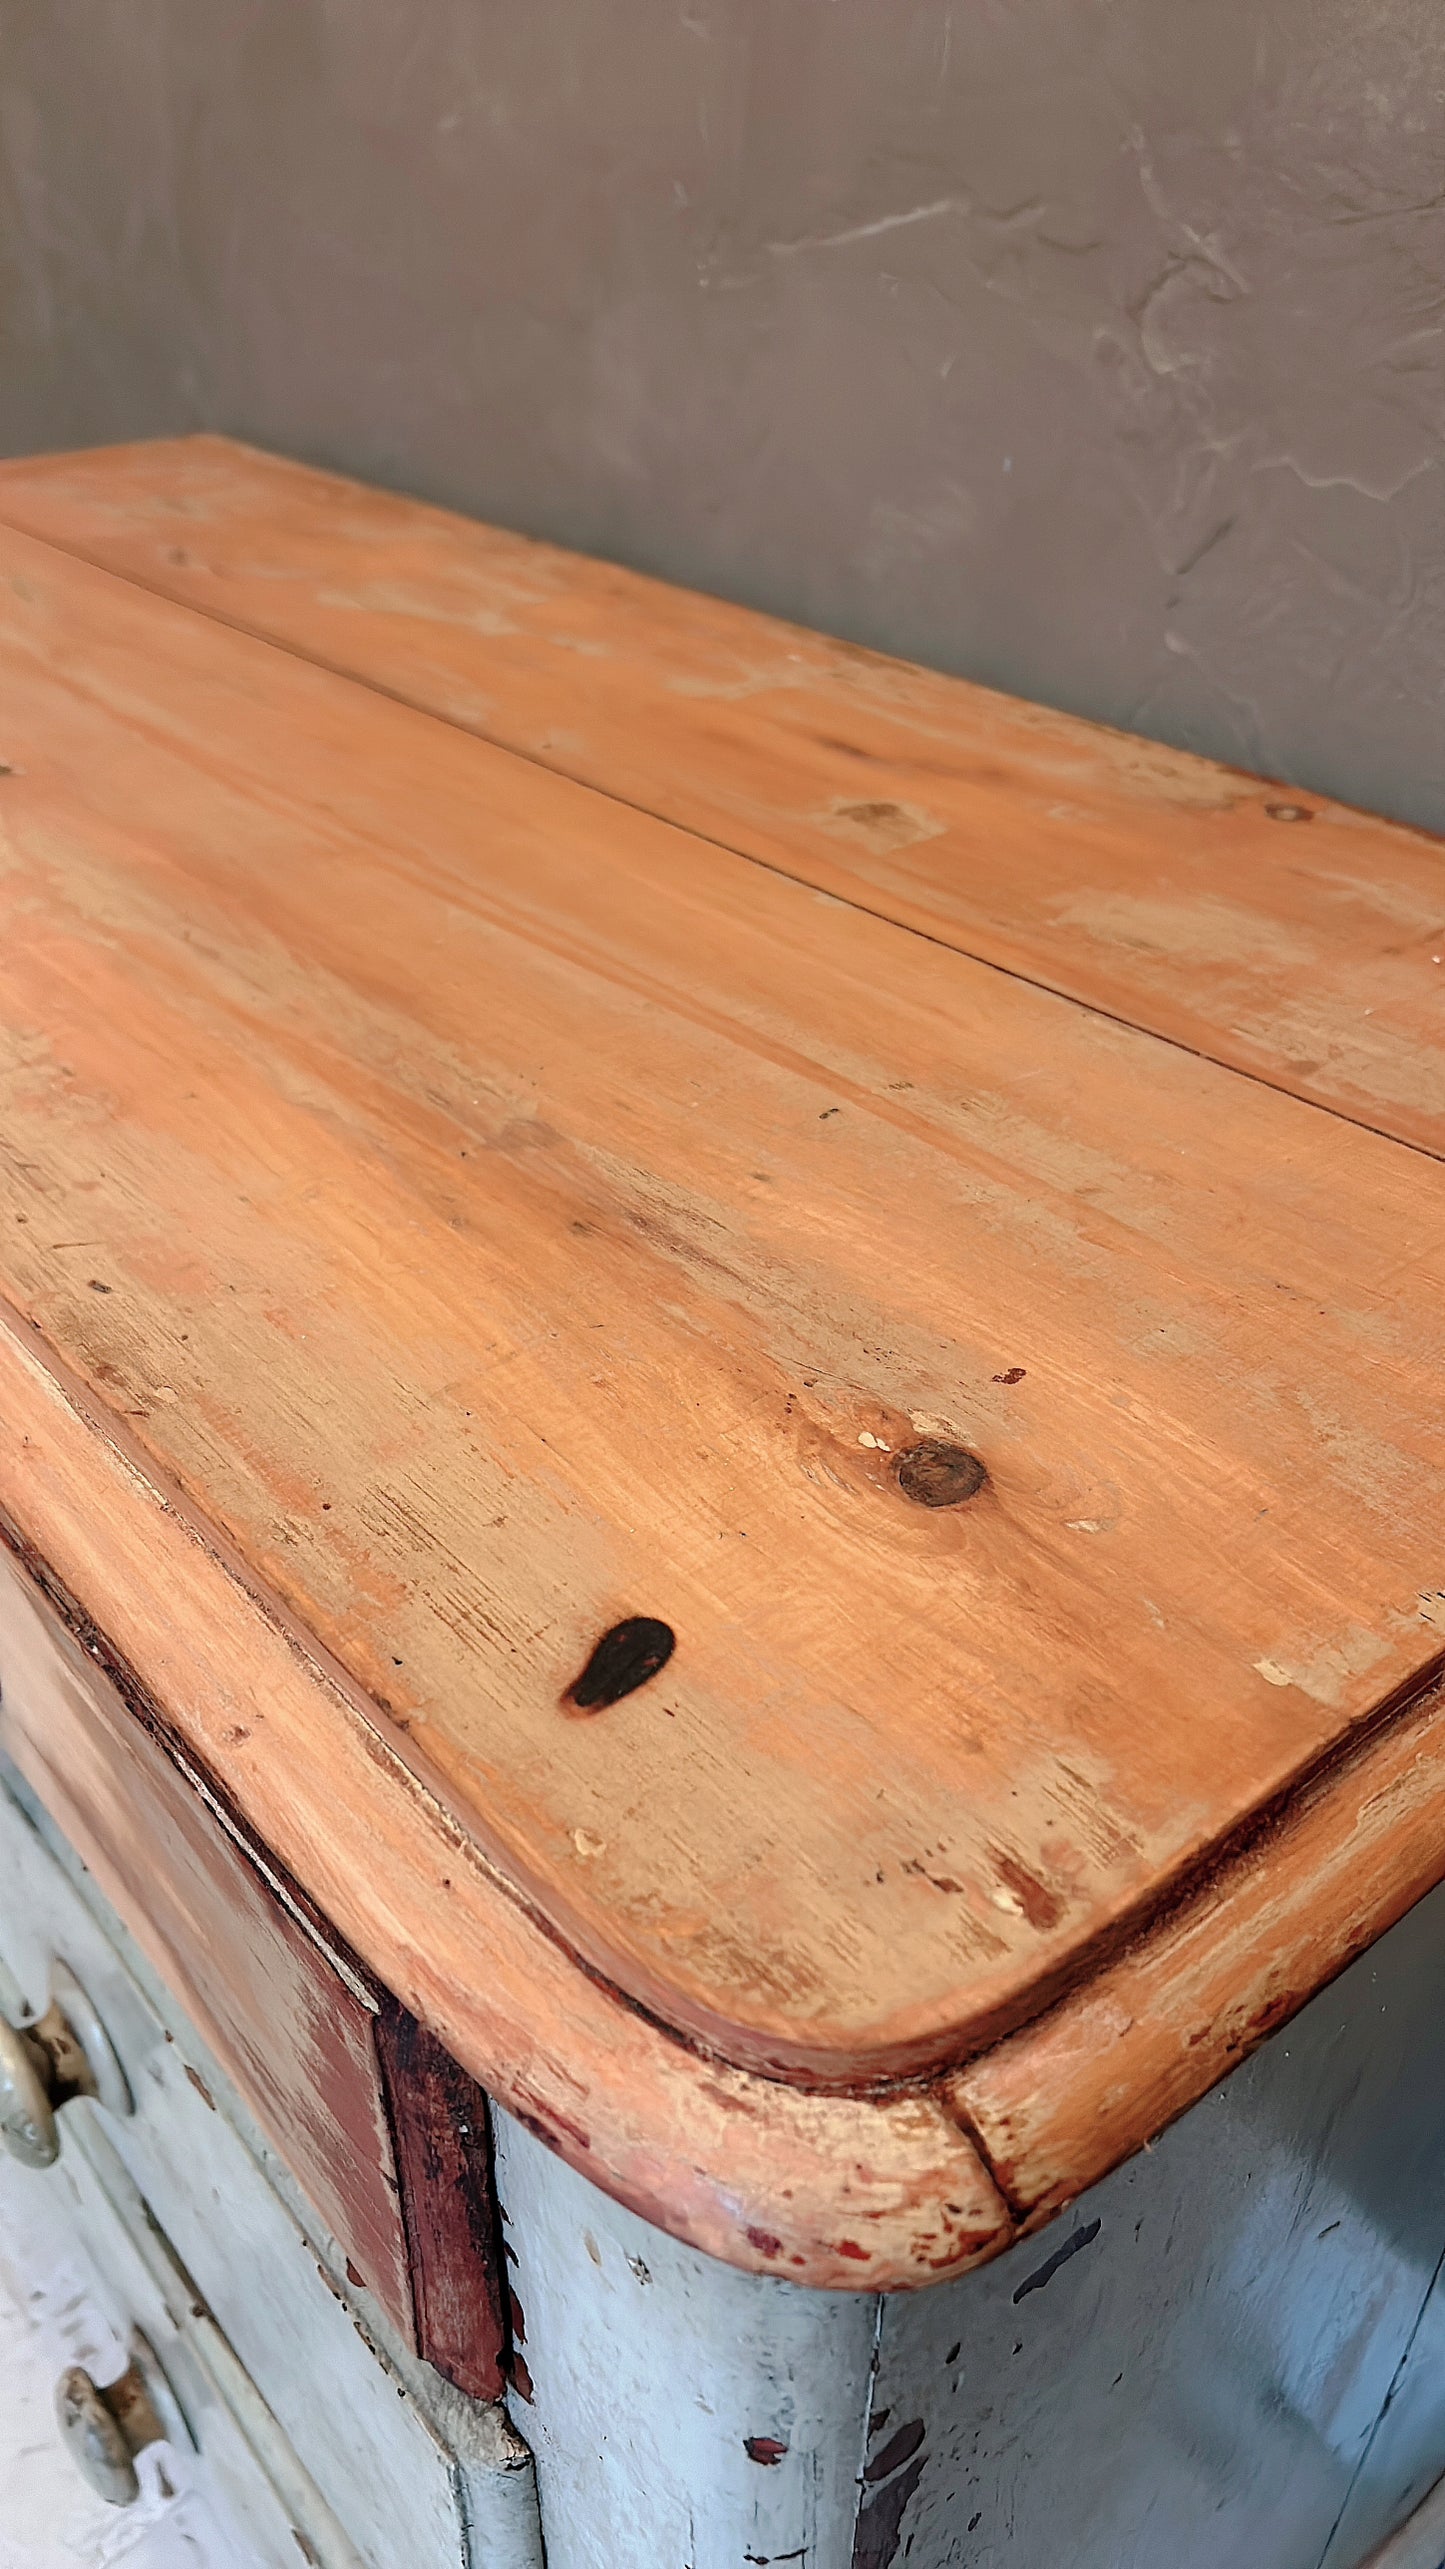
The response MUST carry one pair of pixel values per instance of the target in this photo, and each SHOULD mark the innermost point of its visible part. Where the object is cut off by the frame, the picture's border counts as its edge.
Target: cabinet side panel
(1189, 2362)
(1406, 2456)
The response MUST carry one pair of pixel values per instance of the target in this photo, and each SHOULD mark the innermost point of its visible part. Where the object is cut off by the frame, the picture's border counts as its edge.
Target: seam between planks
(707, 838)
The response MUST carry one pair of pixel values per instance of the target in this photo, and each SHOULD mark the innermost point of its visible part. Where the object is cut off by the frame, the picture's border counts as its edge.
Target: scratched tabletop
(825, 1289)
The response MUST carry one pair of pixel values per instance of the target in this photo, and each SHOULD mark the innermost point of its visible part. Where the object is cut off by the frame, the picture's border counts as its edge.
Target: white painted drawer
(419, 2476)
(222, 2490)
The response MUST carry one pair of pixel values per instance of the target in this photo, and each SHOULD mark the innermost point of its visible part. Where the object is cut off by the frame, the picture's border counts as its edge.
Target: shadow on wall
(1090, 347)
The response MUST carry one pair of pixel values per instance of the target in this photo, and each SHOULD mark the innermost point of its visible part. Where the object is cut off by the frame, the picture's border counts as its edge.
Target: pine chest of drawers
(723, 1574)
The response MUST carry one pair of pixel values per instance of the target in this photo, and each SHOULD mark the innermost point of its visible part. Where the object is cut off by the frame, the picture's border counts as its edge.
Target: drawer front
(382, 2131)
(87, 2287)
(414, 2490)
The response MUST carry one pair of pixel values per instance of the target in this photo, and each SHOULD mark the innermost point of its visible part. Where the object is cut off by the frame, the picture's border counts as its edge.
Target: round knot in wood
(938, 1475)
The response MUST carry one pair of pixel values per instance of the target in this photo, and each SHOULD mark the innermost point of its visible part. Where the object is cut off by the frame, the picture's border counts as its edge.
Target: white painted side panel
(1189, 2369)
(682, 2416)
(1406, 2451)
(1197, 2384)
(1420, 2542)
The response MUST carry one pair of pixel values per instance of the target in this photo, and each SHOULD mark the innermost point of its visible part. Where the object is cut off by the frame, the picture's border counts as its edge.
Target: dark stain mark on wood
(97, 1287)
(518, 2318)
(199, 2084)
(1015, 1374)
(850, 2248)
(623, 1660)
(939, 1881)
(870, 816)
(900, 2448)
(1041, 1906)
(878, 2421)
(442, 2144)
(552, 2128)
(936, 1475)
(765, 2449)
(765, 2243)
(355, 2277)
(1045, 2273)
(521, 2378)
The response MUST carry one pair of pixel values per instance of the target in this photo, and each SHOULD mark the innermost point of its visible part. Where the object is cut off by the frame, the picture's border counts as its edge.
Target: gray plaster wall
(1091, 347)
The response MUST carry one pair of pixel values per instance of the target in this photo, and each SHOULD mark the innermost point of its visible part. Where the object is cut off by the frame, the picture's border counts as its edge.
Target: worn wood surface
(831, 2191)
(1059, 2104)
(504, 1213)
(488, 1212)
(1255, 923)
(71, 2288)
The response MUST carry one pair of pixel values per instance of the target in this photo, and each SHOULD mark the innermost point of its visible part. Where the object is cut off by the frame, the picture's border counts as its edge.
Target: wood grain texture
(1062, 2102)
(848, 2194)
(503, 1213)
(1254, 923)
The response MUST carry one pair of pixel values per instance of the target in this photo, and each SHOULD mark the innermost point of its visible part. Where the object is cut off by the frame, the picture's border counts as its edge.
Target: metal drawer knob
(66, 2053)
(104, 2430)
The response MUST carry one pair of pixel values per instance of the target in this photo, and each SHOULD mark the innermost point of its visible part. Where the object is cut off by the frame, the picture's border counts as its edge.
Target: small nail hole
(937, 1475)
(623, 1660)
(1288, 812)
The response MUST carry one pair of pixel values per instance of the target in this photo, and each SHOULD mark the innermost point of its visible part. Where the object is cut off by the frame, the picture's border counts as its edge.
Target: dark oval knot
(938, 1475)
(623, 1660)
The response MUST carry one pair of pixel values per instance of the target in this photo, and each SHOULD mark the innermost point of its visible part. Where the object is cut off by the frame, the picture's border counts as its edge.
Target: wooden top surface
(501, 1212)
(1260, 925)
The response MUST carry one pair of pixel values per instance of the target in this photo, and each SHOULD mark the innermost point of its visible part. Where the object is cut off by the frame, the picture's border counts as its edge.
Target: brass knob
(65, 2053)
(27, 2080)
(104, 2429)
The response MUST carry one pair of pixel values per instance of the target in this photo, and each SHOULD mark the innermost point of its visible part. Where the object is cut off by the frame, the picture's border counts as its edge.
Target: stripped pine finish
(1296, 938)
(896, 1515)
(832, 2191)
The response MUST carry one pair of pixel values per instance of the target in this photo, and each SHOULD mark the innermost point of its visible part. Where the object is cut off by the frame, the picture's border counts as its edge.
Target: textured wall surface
(1092, 347)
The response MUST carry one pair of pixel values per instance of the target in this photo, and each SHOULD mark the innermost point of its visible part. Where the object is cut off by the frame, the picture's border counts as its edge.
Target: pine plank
(1260, 925)
(501, 1212)
(836, 2192)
